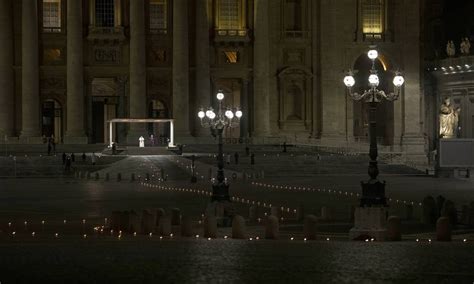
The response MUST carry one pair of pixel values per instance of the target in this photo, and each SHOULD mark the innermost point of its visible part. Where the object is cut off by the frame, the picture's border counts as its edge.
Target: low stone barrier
(148, 222)
(394, 229)
(271, 228)
(238, 227)
(310, 227)
(165, 226)
(210, 227)
(175, 217)
(443, 229)
(135, 224)
(430, 211)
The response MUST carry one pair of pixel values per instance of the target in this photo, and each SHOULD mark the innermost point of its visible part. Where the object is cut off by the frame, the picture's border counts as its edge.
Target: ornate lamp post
(373, 191)
(217, 122)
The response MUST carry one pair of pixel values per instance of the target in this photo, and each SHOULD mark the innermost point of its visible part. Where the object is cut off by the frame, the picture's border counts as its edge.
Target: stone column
(75, 75)
(30, 72)
(244, 105)
(137, 69)
(261, 69)
(413, 141)
(203, 74)
(315, 41)
(6, 69)
(180, 68)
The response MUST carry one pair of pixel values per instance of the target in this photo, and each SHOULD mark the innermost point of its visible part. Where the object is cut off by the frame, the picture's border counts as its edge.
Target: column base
(414, 148)
(369, 222)
(27, 139)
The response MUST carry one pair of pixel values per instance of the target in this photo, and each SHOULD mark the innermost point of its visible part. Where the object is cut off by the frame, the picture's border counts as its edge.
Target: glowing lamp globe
(373, 54)
(349, 81)
(398, 81)
(201, 114)
(208, 113)
(220, 96)
(229, 114)
(374, 80)
(238, 114)
(212, 115)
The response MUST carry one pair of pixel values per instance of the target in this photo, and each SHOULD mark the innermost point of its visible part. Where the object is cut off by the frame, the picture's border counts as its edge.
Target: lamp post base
(373, 193)
(223, 211)
(369, 222)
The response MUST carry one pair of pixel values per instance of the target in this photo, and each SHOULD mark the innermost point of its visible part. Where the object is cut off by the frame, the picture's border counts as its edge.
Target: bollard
(165, 226)
(253, 213)
(449, 210)
(238, 227)
(115, 220)
(187, 226)
(159, 213)
(124, 221)
(175, 217)
(148, 222)
(394, 229)
(210, 227)
(147, 176)
(119, 177)
(132, 177)
(443, 229)
(310, 227)
(271, 227)
(276, 211)
(135, 224)
(430, 212)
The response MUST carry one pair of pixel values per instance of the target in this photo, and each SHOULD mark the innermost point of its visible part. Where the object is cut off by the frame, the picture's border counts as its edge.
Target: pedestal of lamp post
(220, 206)
(370, 218)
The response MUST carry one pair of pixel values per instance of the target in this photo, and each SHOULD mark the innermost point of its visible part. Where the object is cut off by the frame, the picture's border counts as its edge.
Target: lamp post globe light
(217, 121)
(373, 200)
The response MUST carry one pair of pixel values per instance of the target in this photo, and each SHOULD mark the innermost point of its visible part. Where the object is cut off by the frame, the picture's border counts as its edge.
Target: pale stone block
(271, 227)
(210, 227)
(394, 229)
(443, 229)
(310, 227)
(238, 227)
(369, 222)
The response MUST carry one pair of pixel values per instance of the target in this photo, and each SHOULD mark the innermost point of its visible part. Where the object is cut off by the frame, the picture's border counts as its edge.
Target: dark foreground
(150, 260)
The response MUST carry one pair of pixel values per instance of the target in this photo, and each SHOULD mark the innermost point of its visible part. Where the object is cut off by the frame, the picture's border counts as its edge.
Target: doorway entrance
(51, 119)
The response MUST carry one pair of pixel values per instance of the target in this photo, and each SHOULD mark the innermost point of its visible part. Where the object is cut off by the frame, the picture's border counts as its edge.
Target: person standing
(73, 157)
(93, 159)
(84, 157)
(67, 167)
(252, 159)
(247, 150)
(228, 159)
(64, 158)
(236, 158)
(49, 147)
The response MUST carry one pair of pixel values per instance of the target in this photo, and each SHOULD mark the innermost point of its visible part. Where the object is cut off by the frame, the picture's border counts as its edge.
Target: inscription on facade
(107, 55)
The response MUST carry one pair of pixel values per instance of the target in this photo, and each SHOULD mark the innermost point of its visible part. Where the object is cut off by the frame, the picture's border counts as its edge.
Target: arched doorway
(385, 112)
(51, 120)
(161, 131)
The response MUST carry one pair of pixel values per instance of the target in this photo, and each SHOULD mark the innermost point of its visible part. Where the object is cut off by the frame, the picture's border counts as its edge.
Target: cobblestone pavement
(233, 261)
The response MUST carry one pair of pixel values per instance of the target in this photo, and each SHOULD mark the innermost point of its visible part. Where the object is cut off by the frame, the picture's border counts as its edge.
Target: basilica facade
(69, 66)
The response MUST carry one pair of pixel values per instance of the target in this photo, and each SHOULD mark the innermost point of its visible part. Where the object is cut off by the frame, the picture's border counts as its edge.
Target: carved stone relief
(106, 54)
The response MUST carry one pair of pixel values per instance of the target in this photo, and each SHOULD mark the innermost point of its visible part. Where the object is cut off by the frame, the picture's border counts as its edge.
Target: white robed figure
(141, 142)
(448, 119)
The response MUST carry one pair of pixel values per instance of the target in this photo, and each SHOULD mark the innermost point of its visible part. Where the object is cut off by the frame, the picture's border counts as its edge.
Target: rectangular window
(104, 13)
(158, 16)
(52, 15)
(372, 16)
(293, 17)
(229, 15)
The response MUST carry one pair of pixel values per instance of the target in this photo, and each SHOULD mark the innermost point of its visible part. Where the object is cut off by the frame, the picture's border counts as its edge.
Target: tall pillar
(75, 133)
(30, 72)
(261, 69)
(203, 73)
(137, 68)
(6, 69)
(180, 68)
(244, 105)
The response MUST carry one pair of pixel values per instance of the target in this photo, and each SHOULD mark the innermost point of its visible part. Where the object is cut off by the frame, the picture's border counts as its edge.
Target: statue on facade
(448, 119)
(450, 49)
(465, 46)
